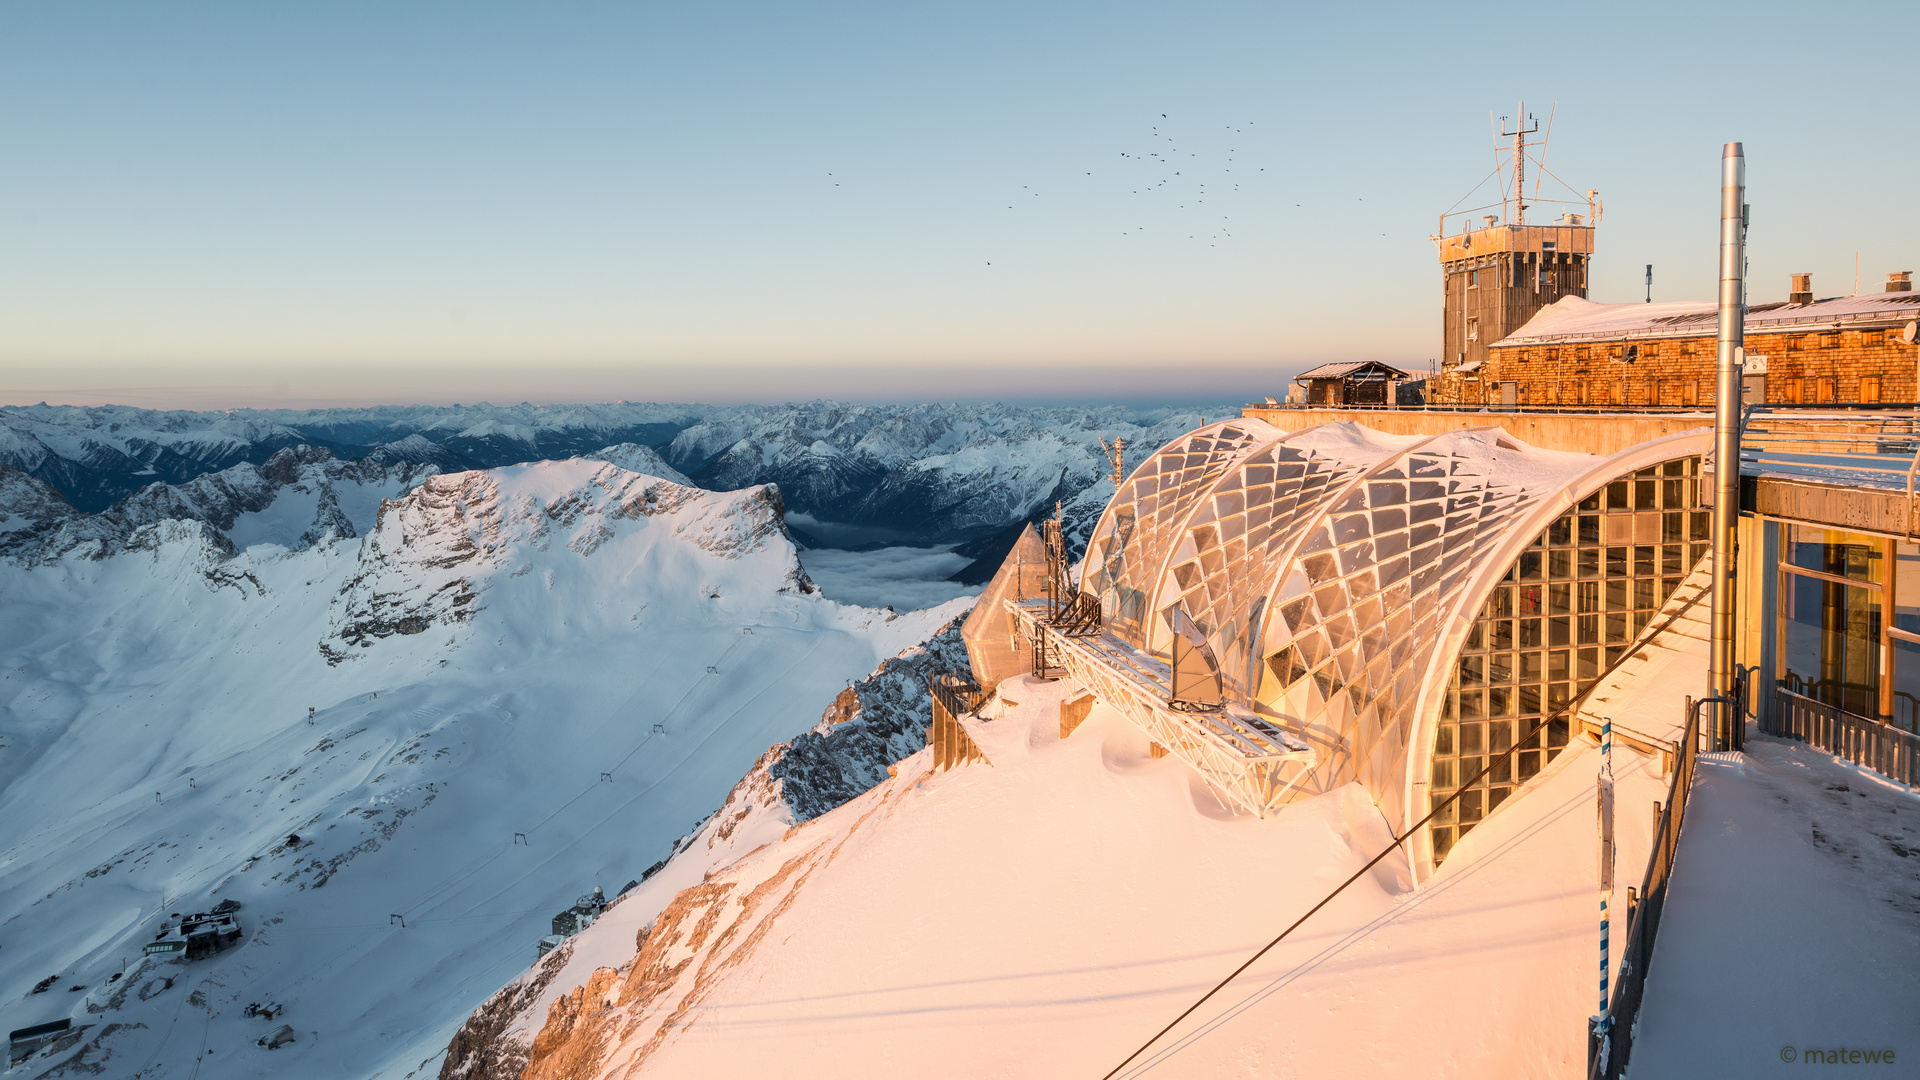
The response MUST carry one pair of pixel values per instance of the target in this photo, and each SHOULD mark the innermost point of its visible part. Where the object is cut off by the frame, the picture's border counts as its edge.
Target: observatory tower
(1499, 270)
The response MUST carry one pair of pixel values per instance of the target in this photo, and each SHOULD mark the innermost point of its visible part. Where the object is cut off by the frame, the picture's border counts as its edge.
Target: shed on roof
(1365, 382)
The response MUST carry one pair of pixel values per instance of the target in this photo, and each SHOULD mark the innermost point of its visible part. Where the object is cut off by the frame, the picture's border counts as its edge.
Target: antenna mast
(1519, 137)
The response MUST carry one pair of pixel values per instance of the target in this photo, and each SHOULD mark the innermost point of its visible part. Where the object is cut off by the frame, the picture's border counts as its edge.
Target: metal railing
(1645, 907)
(1885, 749)
(959, 694)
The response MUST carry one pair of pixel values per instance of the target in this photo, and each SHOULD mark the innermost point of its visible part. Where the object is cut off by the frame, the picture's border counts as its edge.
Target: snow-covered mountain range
(934, 473)
(402, 717)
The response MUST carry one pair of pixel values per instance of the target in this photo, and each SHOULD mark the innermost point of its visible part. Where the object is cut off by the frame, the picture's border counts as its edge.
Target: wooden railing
(1644, 907)
(1881, 747)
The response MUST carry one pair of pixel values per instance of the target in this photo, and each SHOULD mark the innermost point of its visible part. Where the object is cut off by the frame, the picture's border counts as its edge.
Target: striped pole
(1602, 1021)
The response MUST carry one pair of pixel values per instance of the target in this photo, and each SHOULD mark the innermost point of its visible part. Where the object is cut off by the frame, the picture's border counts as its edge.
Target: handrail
(1609, 1062)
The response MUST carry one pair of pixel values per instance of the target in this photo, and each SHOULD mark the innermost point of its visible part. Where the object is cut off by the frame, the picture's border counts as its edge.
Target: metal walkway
(1253, 765)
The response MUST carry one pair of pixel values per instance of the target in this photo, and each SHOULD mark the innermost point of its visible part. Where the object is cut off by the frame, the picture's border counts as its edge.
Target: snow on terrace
(1792, 922)
(1044, 914)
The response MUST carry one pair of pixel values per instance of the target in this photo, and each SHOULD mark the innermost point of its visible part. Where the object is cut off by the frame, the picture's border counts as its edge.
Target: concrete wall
(1577, 432)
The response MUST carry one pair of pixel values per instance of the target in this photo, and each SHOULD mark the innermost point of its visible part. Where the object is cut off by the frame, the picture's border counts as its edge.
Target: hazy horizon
(216, 206)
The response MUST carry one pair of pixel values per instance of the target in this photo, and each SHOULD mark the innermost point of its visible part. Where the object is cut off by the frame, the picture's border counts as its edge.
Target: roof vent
(1901, 281)
(1802, 291)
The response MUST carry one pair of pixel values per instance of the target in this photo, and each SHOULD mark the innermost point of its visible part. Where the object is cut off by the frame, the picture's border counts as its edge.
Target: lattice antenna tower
(1117, 455)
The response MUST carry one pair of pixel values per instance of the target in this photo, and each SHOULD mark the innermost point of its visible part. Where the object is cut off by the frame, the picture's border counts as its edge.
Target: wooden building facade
(1499, 277)
(1851, 349)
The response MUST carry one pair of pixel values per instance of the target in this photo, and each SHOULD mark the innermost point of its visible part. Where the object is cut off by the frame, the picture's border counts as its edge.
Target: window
(1473, 279)
(1869, 388)
(1825, 390)
(1473, 329)
(1564, 615)
(1792, 390)
(1830, 612)
(1830, 340)
(1872, 339)
(1690, 392)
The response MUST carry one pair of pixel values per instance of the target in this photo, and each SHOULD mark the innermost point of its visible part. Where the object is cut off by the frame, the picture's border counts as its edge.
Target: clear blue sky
(215, 205)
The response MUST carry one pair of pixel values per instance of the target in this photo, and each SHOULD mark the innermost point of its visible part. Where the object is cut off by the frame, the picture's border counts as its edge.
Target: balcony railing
(1885, 749)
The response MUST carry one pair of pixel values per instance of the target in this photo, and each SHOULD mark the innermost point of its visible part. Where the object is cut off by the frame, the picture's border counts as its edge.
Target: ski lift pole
(1600, 1041)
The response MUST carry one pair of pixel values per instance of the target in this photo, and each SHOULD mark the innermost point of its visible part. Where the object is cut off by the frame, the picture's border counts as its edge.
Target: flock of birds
(1177, 183)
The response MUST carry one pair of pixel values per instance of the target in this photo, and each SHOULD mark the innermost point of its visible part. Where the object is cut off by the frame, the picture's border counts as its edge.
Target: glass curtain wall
(1849, 612)
(1564, 614)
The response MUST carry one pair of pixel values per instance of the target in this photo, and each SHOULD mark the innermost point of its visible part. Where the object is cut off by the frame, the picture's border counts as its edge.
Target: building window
(1473, 329)
(1830, 612)
(1824, 388)
(1473, 279)
(1869, 388)
(1793, 390)
(1870, 339)
(1830, 340)
(1792, 342)
(1690, 392)
(1564, 615)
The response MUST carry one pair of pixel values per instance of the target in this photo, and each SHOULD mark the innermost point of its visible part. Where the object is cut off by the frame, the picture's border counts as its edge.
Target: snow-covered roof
(1335, 569)
(1574, 318)
(1341, 371)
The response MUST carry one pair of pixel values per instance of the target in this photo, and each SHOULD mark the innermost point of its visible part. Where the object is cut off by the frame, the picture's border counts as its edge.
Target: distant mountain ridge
(923, 473)
(97, 455)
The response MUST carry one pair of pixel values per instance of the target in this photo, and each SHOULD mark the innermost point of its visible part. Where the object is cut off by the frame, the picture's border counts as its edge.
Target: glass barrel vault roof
(1335, 569)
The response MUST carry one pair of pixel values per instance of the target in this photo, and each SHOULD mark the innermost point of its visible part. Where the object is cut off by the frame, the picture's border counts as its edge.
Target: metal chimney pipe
(1726, 425)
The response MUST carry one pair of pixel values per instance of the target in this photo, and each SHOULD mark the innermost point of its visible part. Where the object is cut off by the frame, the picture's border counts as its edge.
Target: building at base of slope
(1390, 610)
(1579, 354)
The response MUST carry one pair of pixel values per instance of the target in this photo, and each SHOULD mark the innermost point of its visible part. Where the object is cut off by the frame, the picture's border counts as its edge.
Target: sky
(220, 205)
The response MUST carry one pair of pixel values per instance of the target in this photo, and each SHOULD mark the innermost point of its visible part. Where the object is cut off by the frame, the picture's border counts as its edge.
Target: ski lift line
(432, 896)
(772, 685)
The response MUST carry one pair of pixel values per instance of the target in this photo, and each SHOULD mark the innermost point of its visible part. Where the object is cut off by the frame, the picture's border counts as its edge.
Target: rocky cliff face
(874, 723)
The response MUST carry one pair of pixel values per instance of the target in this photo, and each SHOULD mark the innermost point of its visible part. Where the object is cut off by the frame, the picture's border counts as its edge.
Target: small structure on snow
(275, 1039)
(1366, 382)
(195, 936)
(574, 919)
(22, 1042)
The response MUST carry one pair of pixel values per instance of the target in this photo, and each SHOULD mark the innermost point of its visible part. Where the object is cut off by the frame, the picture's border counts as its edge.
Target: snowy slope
(1043, 914)
(540, 677)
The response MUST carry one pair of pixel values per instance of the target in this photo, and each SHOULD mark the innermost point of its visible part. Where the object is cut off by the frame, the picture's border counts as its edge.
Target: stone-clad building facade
(1576, 353)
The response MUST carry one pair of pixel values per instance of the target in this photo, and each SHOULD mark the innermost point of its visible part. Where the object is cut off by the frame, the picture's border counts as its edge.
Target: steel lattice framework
(1252, 764)
(1335, 573)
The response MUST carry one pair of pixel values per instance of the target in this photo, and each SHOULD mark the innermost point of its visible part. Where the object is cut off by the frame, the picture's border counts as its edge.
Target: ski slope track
(401, 743)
